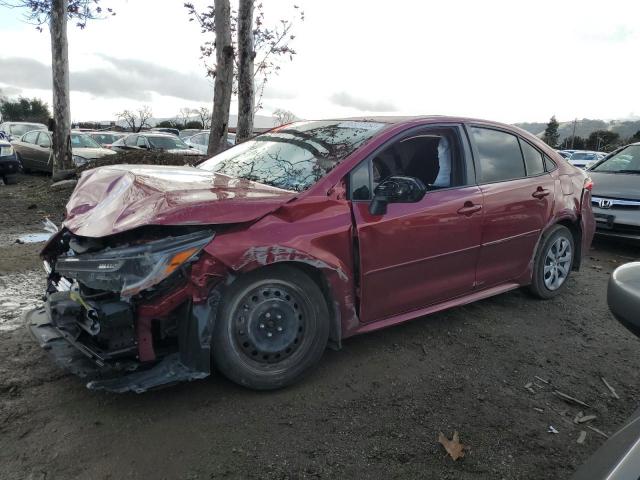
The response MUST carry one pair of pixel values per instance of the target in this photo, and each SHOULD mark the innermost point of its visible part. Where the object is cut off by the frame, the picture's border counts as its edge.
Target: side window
(532, 159)
(142, 142)
(131, 140)
(44, 141)
(360, 182)
(31, 137)
(500, 155)
(433, 156)
(549, 164)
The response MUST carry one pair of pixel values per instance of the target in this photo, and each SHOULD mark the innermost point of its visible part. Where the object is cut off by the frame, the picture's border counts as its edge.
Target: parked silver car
(616, 193)
(200, 141)
(14, 130)
(619, 457)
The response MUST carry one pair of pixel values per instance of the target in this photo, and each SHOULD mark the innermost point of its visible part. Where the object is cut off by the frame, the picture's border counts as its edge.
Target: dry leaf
(454, 448)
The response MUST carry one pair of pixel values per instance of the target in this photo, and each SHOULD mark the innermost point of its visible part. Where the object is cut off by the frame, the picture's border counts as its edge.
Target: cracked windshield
(294, 157)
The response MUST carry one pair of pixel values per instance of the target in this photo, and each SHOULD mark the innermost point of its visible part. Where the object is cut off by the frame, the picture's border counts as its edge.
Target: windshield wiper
(628, 171)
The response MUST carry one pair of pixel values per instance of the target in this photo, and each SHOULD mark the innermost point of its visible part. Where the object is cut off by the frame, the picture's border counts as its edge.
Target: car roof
(155, 134)
(408, 119)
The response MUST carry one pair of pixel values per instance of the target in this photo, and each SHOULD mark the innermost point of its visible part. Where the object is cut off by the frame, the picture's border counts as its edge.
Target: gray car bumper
(618, 222)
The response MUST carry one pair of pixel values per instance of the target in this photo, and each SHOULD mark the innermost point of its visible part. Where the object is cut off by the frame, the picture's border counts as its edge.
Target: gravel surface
(373, 409)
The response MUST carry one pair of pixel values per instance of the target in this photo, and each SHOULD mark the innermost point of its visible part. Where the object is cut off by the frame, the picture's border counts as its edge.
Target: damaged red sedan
(264, 255)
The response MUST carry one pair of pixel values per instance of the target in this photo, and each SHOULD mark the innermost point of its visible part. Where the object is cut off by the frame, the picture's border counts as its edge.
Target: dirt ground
(373, 409)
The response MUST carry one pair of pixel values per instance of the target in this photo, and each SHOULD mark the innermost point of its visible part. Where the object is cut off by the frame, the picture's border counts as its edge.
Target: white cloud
(508, 61)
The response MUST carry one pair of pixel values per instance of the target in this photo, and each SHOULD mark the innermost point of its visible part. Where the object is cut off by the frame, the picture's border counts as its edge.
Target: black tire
(10, 179)
(255, 349)
(542, 283)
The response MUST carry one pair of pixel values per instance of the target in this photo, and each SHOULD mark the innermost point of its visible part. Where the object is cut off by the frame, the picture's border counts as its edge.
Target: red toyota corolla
(263, 255)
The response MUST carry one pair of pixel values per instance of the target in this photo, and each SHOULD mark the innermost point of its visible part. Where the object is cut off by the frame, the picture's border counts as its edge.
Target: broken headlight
(129, 270)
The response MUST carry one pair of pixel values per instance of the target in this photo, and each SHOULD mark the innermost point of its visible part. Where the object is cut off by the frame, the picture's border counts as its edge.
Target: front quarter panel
(314, 232)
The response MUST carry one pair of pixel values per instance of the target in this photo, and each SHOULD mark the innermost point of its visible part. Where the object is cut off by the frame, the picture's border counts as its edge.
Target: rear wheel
(553, 262)
(272, 328)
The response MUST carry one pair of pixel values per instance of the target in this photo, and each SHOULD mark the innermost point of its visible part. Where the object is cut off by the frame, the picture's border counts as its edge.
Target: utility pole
(573, 135)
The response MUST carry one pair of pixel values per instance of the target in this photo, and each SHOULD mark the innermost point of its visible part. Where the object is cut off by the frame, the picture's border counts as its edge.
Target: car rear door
(417, 254)
(42, 152)
(518, 200)
(26, 147)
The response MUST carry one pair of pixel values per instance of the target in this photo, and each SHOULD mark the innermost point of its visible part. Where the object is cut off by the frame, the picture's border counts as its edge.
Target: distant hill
(624, 128)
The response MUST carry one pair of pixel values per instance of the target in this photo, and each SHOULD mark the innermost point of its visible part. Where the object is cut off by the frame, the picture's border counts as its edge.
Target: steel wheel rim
(557, 263)
(269, 323)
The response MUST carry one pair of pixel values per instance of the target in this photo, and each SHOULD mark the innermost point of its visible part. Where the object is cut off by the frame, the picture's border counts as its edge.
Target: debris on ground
(539, 410)
(454, 448)
(599, 432)
(570, 399)
(33, 238)
(529, 386)
(64, 185)
(552, 429)
(541, 379)
(581, 437)
(614, 394)
(587, 418)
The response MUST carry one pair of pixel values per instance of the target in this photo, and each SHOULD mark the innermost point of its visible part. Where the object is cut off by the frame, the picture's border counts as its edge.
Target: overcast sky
(501, 60)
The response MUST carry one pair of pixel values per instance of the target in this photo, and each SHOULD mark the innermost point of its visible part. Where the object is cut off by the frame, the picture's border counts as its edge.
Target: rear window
(583, 156)
(30, 137)
(500, 155)
(22, 128)
(532, 159)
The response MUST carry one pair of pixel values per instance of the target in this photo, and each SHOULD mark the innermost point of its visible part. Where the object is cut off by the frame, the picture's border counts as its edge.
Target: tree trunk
(61, 104)
(246, 56)
(224, 78)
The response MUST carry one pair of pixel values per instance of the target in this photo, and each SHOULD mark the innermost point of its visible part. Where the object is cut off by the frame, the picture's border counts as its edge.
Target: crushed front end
(132, 311)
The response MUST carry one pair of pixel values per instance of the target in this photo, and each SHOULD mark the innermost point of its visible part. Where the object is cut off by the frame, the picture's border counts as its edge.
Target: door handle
(469, 208)
(541, 193)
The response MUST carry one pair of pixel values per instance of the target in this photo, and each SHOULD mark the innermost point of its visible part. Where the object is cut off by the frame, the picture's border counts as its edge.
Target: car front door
(518, 200)
(417, 254)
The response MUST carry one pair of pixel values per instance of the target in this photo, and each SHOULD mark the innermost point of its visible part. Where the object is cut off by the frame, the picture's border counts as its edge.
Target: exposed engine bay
(105, 316)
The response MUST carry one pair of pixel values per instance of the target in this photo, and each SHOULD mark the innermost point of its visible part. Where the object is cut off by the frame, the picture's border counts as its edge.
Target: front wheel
(272, 328)
(553, 262)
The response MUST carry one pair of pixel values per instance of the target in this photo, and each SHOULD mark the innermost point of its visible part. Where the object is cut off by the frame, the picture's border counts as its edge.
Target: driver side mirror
(396, 190)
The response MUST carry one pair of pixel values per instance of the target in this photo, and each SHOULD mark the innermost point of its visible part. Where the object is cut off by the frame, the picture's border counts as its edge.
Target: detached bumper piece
(62, 330)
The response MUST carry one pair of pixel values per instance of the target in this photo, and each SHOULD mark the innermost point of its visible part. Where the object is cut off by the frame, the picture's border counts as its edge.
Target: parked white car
(583, 158)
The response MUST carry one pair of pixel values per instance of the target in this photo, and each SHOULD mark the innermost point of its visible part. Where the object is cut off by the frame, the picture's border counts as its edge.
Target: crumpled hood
(615, 185)
(117, 198)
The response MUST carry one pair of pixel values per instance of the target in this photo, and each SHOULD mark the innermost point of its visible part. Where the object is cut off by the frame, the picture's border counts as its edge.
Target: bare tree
(271, 43)
(223, 83)
(185, 114)
(136, 120)
(55, 13)
(282, 117)
(246, 56)
(204, 115)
